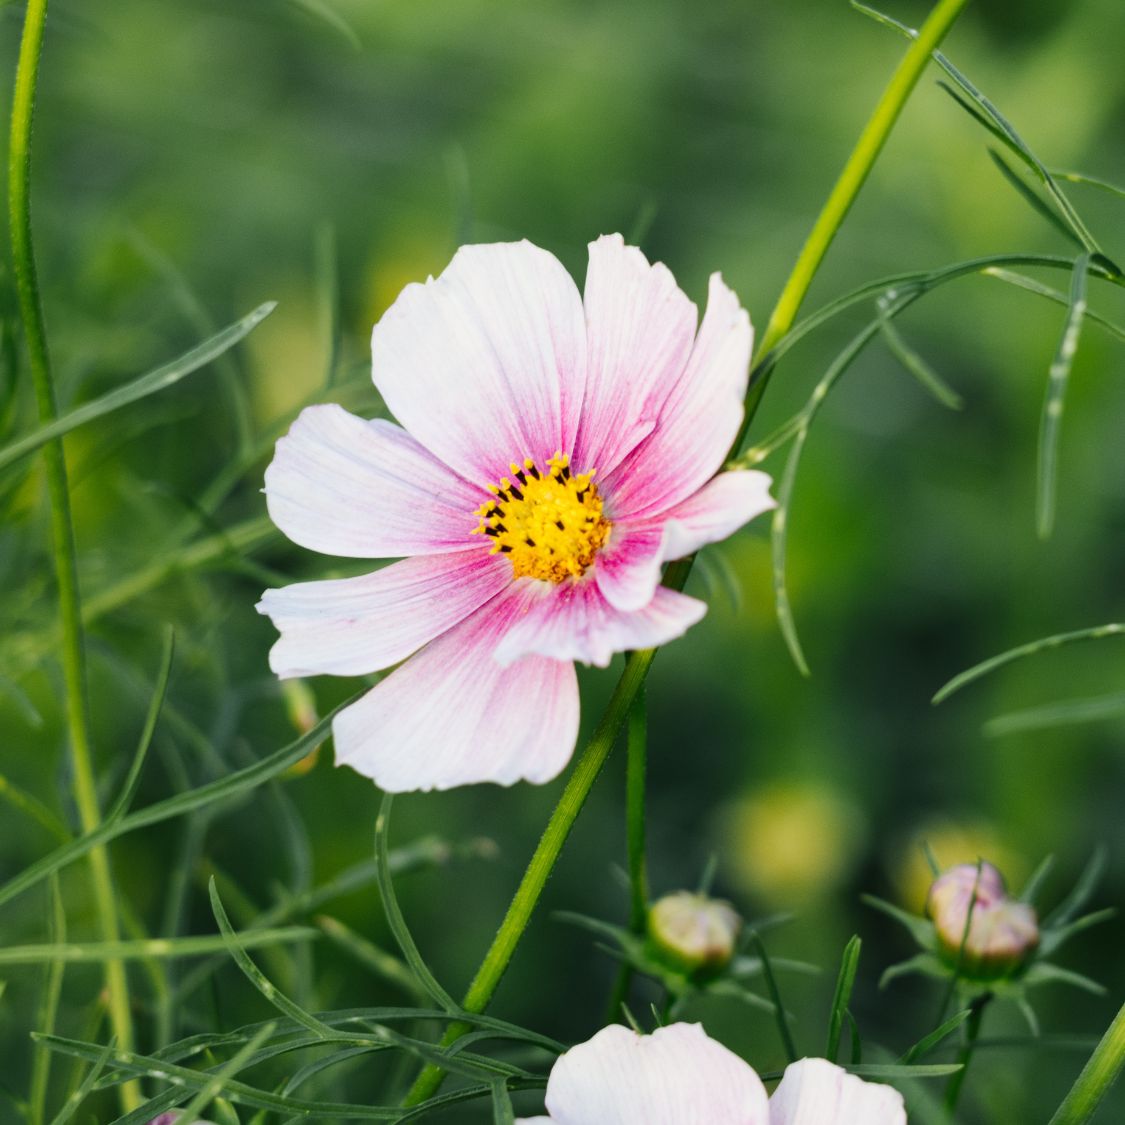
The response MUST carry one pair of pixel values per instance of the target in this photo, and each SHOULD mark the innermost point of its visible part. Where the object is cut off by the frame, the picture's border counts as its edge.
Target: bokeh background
(195, 158)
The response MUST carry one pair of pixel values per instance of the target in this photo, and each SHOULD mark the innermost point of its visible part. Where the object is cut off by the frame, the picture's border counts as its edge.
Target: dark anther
(565, 472)
(499, 527)
(529, 541)
(505, 549)
(491, 531)
(534, 472)
(516, 492)
(560, 525)
(521, 478)
(581, 495)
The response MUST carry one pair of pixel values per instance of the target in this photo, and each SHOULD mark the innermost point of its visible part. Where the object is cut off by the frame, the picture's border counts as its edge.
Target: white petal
(817, 1092)
(487, 364)
(345, 486)
(676, 1076)
(699, 418)
(573, 621)
(452, 715)
(351, 626)
(639, 333)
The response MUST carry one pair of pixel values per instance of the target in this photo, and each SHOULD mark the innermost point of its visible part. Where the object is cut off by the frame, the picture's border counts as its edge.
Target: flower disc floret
(550, 524)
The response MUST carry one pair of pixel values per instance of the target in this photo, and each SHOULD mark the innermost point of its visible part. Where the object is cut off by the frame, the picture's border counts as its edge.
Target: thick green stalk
(589, 765)
(66, 569)
(1098, 1075)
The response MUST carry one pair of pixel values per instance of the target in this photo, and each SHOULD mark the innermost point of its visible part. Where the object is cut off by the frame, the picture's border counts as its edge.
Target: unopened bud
(980, 929)
(694, 932)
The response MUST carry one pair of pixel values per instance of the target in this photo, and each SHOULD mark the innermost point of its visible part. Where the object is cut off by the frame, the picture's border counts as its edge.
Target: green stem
(574, 795)
(66, 569)
(1098, 1075)
(847, 188)
(635, 768)
(590, 762)
(972, 1032)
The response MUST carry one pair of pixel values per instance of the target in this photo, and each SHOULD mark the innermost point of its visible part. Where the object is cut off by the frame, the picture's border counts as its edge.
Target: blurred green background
(195, 158)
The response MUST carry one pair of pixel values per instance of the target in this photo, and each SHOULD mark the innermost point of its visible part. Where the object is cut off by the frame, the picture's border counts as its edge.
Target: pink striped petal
(344, 486)
(487, 364)
(628, 567)
(698, 420)
(717, 510)
(817, 1092)
(453, 715)
(675, 1076)
(639, 334)
(573, 621)
(351, 626)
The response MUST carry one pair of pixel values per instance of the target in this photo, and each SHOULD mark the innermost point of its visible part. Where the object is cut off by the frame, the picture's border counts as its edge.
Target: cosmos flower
(680, 1076)
(553, 452)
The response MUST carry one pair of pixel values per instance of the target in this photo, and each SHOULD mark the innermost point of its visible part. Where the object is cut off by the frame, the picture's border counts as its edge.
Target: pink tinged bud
(694, 932)
(1002, 932)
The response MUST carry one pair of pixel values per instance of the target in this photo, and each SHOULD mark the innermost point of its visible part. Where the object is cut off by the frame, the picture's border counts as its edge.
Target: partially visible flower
(554, 451)
(680, 1076)
(817, 1092)
(979, 927)
(695, 933)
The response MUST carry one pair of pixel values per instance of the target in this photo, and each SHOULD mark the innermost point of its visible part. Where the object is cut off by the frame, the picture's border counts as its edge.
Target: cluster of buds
(981, 931)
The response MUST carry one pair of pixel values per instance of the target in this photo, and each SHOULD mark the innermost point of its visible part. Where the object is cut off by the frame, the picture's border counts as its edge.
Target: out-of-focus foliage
(196, 158)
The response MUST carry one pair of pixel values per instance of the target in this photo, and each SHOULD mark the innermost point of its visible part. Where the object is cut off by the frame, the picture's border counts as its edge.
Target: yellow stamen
(550, 524)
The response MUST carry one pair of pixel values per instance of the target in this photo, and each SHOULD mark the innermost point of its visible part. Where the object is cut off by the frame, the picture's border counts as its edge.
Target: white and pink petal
(342, 485)
(452, 715)
(352, 626)
(573, 621)
(486, 364)
(675, 1076)
(717, 510)
(698, 421)
(817, 1092)
(639, 333)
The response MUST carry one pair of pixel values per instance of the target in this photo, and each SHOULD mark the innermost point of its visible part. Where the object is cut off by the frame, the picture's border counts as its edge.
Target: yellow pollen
(549, 524)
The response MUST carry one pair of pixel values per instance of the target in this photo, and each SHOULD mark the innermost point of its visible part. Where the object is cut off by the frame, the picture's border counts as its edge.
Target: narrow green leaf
(1034, 885)
(925, 375)
(133, 777)
(1098, 1076)
(1037, 204)
(1070, 712)
(921, 929)
(1080, 893)
(48, 1010)
(1055, 399)
(845, 982)
(928, 1042)
(215, 1083)
(1098, 632)
(1092, 181)
(157, 380)
(1043, 972)
(1019, 280)
(782, 1017)
(80, 1093)
(163, 948)
(256, 977)
(397, 922)
(383, 964)
(897, 1070)
(502, 1112)
(328, 15)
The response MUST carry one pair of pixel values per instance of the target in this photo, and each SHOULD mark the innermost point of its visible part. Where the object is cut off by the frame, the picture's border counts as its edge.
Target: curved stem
(65, 555)
(972, 1032)
(592, 759)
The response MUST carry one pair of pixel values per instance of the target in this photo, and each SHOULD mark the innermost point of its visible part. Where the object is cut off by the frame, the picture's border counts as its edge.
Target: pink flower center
(550, 524)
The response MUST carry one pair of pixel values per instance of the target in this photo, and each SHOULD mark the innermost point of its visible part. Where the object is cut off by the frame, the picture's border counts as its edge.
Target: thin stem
(592, 759)
(66, 569)
(972, 1032)
(635, 768)
(1098, 1075)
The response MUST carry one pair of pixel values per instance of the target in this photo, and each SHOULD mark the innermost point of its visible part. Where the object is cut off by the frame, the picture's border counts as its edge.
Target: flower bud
(694, 932)
(1001, 932)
